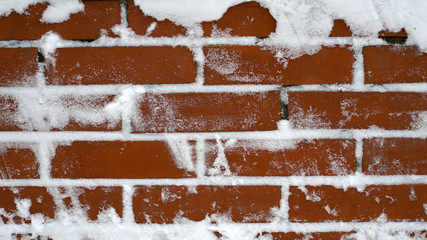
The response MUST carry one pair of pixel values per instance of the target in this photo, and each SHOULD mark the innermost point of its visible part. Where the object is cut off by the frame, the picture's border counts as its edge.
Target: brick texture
(394, 156)
(245, 19)
(162, 204)
(326, 203)
(131, 125)
(340, 29)
(260, 65)
(18, 162)
(126, 65)
(8, 108)
(207, 112)
(96, 201)
(72, 111)
(282, 157)
(141, 23)
(37, 200)
(117, 160)
(18, 67)
(354, 110)
(394, 64)
(97, 15)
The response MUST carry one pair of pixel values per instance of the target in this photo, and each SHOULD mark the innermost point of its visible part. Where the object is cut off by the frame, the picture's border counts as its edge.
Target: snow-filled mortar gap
(200, 157)
(124, 13)
(284, 204)
(127, 194)
(199, 58)
(358, 68)
(44, 155)
(359, 154)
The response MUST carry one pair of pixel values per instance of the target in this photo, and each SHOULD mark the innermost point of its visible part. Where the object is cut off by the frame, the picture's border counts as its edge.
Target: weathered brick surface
(97, 15)
(64, 113)
(245, 19)
(394, 64)
(18, 67)
(356, 110)
(18, 161)
(162, 204)
(207, 112)
(100, 199)
(260, 65)
(152, 159)
(395, 156)
(20, 204)
(204, 131)
(270, 157)
(8, 108)
(326, 203)
(122, 65)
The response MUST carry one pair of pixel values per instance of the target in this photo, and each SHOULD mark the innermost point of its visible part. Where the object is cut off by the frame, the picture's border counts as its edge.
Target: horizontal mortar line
(153, 88)
(392, 87)
(194, 41)
(291, 134)
(195, 87)
(106, 228)
(357, 180)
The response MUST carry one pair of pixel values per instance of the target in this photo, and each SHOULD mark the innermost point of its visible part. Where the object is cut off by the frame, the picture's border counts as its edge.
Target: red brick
(394, 64)
(398, 203)
(401, 33)
(41, 203)
(125, 65)
(139, 23)
(207, 112)
(91, 104)
(29, 236)
(340, 29)
(95, 201)
(306, 236)
(17, 162)
(394, 156)
(18, 67)
(117, 160)
(245, 19)
(356, 110)
(42, 120)
(258, 65)
(269, 157)
(162, 204)
(8, 109)
(97, 15)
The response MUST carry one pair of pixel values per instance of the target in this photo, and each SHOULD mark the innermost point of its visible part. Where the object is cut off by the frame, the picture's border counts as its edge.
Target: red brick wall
(197, 136)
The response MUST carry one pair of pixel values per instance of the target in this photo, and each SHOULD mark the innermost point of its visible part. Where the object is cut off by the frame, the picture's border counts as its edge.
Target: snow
(57, 11)
(303, 26)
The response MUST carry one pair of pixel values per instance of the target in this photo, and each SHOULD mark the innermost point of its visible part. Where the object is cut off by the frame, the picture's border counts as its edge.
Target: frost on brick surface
(42, 112)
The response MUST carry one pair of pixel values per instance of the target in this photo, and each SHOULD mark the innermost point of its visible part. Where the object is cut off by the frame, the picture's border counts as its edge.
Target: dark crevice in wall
(395, 40)
(40, 57)
(83, 40)
(284, 110)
